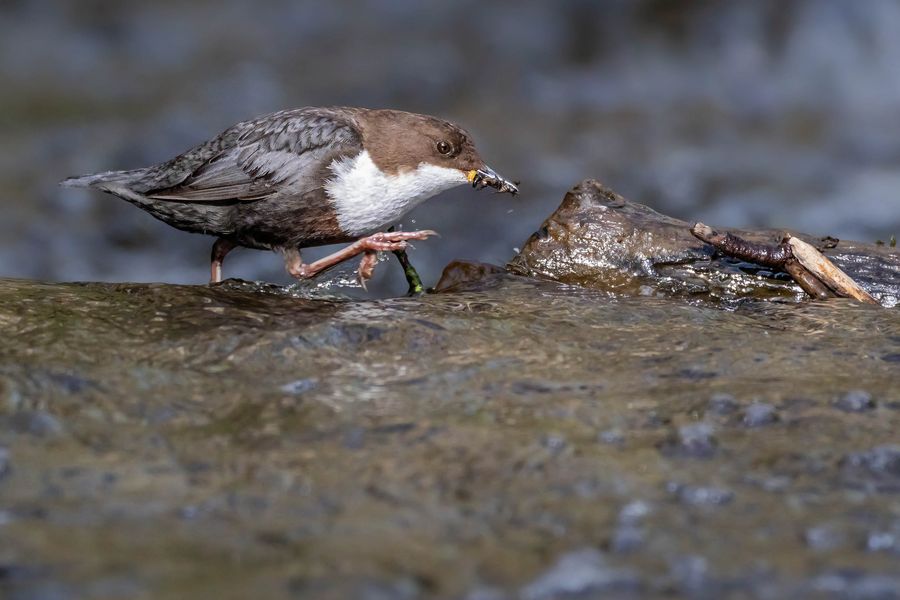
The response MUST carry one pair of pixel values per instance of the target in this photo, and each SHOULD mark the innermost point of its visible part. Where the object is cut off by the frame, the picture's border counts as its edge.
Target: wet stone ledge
(507, 437)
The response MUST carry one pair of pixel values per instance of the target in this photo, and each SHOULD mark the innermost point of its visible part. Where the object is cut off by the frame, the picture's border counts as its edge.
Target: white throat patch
(367, 199)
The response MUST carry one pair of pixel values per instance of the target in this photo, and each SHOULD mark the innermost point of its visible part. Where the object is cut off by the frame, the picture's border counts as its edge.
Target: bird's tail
(103, 180)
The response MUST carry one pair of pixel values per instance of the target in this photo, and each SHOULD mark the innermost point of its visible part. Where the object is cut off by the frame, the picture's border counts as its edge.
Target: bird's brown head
(398, 141)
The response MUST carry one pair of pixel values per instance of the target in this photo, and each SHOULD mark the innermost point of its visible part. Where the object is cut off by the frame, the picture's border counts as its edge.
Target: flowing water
(737, 113)
(508, 439)
(505, 438)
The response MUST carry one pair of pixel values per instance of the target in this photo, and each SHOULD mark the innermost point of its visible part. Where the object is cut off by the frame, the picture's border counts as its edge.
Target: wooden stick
(817, 264)
(732, 245)
(808, 282)
(778, 257)
(813, 272)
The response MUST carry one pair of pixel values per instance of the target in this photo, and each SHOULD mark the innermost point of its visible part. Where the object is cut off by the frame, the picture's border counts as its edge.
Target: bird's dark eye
(444, 147)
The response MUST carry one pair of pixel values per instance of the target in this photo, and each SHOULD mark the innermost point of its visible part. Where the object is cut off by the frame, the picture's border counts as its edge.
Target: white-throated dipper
(307, 177)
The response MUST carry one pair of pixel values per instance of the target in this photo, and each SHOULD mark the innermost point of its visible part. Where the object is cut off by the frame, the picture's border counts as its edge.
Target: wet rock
(760, 414)
(4, 462)
(598, 239)
(460, 273)
(580, 574)
(855, 401)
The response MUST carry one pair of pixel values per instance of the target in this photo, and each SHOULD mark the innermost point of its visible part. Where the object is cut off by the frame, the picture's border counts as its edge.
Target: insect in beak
(487, 177)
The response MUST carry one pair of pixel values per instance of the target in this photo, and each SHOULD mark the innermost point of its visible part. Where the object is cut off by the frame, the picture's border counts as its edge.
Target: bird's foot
(393, 241)
(368, 246)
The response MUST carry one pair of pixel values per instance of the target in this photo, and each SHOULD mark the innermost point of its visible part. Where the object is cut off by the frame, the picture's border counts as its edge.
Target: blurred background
(769, 113)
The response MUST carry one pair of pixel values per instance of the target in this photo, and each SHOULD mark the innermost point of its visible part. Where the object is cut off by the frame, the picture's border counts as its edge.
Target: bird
(307, 177)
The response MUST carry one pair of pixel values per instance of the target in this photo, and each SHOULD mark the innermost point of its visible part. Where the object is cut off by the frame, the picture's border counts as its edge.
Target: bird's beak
(487, 177)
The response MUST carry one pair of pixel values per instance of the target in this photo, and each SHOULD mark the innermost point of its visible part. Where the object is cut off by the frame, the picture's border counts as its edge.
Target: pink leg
(219, 251)
(367, 246)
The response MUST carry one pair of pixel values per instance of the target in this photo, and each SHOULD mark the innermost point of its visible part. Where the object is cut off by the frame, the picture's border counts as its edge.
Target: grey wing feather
(258, 158)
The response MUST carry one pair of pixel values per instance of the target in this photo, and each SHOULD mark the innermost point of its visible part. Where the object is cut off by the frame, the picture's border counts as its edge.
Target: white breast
(366, 199)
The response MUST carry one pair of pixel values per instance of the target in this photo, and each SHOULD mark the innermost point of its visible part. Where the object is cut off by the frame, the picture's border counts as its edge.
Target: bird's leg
(412, 276)
(219, 251)
(367, 246)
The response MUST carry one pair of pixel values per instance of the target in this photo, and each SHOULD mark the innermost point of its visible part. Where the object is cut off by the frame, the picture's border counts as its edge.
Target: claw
(366, 268)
